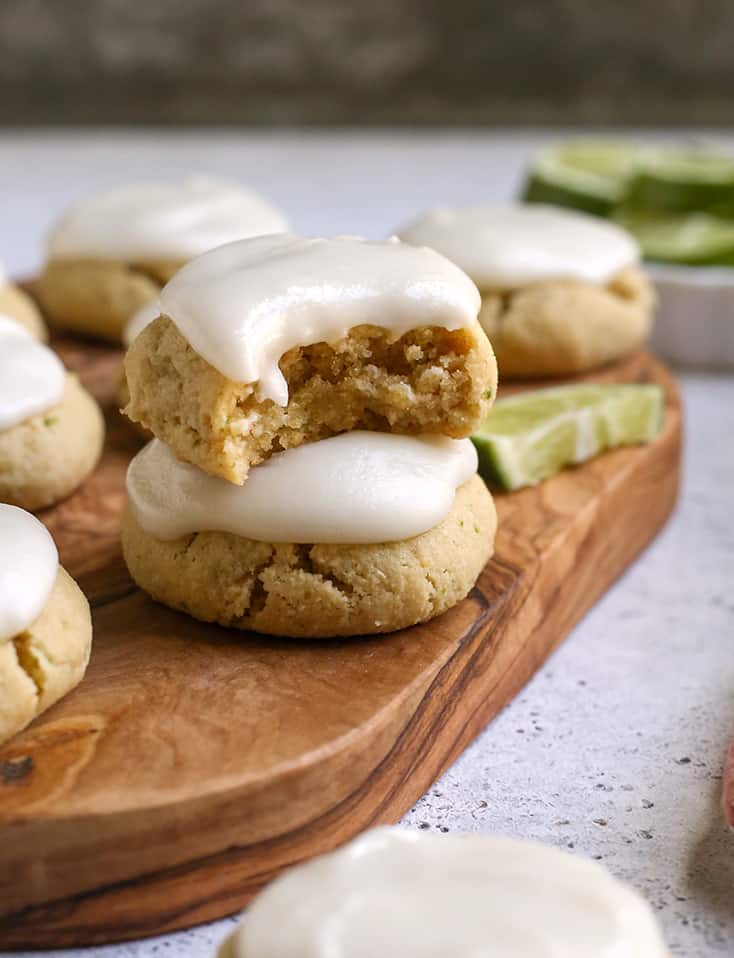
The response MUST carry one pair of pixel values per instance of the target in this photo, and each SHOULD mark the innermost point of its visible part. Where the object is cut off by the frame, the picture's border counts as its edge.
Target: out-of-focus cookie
(17, 305)
(45, 623)
(51, 429)
(278, 341)
(110, 255)
(97, 297)
(405, 894)
(562, 292)
(362, 533)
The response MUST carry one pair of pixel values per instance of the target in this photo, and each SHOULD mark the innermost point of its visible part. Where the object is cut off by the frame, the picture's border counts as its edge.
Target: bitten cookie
(278, 555)
(274, 342)
(45, 623)
(17, 305)
(110, 255)
(562, 292)
(51, 429)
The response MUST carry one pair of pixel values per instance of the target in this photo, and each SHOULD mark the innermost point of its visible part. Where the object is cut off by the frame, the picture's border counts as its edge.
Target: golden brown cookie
(563, 327)
(19, 306)
(42, 664)
(313, 591)
(45, 458)
(431, 380)
(97, 297)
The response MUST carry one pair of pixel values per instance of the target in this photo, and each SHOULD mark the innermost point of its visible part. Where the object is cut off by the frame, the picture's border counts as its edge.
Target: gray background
(367, 62)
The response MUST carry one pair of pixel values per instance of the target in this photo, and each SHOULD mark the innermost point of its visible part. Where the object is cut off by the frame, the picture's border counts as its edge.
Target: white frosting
(29, 564)
(357, 487)
(510, 246)
(405, 895)
(244, 305)
(176, 220)
(32, 377)
(142, 318)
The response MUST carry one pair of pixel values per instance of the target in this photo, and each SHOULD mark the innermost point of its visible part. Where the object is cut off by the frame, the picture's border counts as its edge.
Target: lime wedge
(683, 180)
(589, 175)
(693, 239)
(528, 437)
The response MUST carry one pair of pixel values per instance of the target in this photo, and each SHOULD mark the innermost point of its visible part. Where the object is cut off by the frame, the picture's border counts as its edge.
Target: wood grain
(193, 763)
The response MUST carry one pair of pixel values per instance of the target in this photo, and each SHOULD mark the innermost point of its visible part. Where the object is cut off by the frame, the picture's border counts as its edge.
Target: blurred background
(590, 63)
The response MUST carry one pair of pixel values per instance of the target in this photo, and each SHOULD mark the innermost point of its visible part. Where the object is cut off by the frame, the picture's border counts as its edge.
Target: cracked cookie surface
(97, 297)
(314, 591)
(42, 664)
(563, 327)
(431, 380)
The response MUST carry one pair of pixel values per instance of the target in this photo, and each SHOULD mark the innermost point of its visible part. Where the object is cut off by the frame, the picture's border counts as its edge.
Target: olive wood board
(193, 763)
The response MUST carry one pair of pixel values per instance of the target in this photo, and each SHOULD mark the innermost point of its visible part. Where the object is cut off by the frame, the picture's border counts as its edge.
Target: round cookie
(47, 660)
(395, 893)
(46, 457)
(97, 297)
(45, 623)
(562, 292)
(314, 591)
(19, 306)
(564, 327)
(110, 255)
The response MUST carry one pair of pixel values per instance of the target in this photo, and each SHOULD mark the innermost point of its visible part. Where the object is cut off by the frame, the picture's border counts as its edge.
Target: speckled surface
(614, 750)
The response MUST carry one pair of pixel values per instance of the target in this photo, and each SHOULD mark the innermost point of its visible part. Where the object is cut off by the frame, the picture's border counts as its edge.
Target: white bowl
(694, 324)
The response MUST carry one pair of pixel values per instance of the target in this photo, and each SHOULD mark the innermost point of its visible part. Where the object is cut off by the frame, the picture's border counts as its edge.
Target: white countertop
(615, 748)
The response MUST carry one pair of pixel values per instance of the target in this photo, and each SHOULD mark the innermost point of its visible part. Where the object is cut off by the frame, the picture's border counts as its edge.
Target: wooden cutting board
(193, 763)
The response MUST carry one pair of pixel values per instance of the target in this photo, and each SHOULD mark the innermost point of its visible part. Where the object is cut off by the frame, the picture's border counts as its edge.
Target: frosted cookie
(562, 292)
(408, 895)
(51, 429)
(45, 624)
(18, 306)
(110, 254)
(361, 533)
(273, 342)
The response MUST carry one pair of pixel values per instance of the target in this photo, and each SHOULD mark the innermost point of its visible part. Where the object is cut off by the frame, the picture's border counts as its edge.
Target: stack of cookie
(311, 473)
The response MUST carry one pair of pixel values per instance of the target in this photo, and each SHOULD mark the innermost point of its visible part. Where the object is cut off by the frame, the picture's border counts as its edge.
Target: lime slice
(683, 180)
(693, 239)
(528, 437)
(589, 175)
